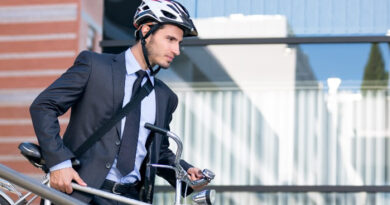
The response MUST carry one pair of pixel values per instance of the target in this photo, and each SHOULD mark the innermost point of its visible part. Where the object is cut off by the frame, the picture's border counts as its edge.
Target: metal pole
(286, 40)
(36, 187)
(178, 192)
(108, 195)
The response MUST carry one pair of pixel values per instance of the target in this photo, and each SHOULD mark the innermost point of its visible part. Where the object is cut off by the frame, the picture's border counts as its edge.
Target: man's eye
(171, 38)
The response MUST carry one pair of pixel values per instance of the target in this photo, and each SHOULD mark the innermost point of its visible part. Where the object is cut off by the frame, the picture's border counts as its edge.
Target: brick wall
(39, 40)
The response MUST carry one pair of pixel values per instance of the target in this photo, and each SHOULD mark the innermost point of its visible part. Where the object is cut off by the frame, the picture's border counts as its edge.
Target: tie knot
(140, 74)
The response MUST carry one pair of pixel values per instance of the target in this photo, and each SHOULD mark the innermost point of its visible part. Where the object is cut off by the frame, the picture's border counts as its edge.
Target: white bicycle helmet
(164, 11)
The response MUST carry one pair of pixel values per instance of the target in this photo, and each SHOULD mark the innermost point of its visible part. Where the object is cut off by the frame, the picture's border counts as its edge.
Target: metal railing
(36, 187)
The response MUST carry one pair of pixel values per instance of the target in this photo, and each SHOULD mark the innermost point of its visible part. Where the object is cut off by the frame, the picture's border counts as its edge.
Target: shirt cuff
(64, 164)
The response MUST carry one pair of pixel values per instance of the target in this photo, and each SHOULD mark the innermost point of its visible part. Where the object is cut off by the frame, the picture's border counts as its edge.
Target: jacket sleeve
(168, 157)
(53, 102)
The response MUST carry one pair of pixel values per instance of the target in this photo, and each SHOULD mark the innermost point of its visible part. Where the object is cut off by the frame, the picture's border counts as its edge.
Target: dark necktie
(128, 149)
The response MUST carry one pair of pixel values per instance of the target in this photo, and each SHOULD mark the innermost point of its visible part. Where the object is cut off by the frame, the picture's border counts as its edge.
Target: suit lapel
(161, 106)
(119, 75)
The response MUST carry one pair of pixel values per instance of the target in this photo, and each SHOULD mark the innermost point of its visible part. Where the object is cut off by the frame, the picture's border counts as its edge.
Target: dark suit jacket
(94, 88)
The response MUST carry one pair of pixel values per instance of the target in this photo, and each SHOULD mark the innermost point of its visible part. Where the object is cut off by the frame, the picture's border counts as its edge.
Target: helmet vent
(168, 15)
(172, 7)
(145, 8)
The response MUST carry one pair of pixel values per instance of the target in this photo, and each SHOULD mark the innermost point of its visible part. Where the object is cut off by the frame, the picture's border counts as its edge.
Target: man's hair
(138, 37)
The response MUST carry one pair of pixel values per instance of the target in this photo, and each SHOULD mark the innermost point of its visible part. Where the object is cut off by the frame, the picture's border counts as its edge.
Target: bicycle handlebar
(181, 175)
(156, 129)
(171, 135)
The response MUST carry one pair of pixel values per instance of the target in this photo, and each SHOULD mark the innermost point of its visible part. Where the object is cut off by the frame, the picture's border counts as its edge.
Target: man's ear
(145, 29)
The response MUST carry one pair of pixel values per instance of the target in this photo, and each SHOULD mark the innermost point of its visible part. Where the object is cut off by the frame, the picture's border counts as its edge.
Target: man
(97, 86)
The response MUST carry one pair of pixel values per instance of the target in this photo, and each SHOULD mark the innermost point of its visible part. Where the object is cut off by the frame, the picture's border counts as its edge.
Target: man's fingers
(190, 175)
(62, 185)
(77, 178)
(195, 173)
(68, 188)
(61, 179)
(199, 174)
(59, 185)
(193, 176)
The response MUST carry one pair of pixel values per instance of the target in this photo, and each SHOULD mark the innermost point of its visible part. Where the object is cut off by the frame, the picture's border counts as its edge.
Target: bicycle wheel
(4, 201)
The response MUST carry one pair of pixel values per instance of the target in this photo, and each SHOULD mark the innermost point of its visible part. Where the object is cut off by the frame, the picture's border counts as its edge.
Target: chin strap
(145, 51)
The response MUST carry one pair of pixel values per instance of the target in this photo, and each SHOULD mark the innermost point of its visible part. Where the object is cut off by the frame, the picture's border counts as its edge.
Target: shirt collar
(132, 64)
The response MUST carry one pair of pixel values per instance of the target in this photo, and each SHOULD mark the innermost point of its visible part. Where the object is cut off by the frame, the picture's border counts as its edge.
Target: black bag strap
(137, 98)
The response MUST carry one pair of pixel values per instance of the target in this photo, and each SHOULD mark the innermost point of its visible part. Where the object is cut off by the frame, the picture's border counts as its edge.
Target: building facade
(38, 41)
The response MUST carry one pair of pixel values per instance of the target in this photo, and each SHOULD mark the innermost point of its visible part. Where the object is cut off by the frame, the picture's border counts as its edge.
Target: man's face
(164, 45)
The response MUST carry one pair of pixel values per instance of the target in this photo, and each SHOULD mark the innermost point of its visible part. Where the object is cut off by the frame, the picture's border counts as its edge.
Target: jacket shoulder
(164, 87)
(95, 57)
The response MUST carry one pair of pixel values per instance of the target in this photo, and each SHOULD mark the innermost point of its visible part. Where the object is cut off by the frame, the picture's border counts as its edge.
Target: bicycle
(33, 154)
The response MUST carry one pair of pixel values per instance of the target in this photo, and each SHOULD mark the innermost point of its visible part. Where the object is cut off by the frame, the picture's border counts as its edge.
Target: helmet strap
(144, 50)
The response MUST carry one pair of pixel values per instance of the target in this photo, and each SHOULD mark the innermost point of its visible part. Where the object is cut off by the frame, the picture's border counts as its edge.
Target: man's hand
(195, 174)
(61, 179)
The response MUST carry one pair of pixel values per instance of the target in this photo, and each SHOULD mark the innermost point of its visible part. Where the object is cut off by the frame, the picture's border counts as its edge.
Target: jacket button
(118, 142)
(108, 165)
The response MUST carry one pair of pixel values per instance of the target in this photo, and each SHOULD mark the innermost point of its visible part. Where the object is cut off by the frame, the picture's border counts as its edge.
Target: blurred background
(274, 95)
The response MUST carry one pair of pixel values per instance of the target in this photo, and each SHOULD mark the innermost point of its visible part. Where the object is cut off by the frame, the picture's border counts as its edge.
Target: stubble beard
(151, 53)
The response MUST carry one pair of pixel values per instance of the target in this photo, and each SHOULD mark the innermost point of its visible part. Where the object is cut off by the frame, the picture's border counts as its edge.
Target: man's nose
(176, 50)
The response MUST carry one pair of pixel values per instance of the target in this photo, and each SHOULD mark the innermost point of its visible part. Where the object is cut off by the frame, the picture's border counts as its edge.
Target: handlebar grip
(156, 129)
(208, 175)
